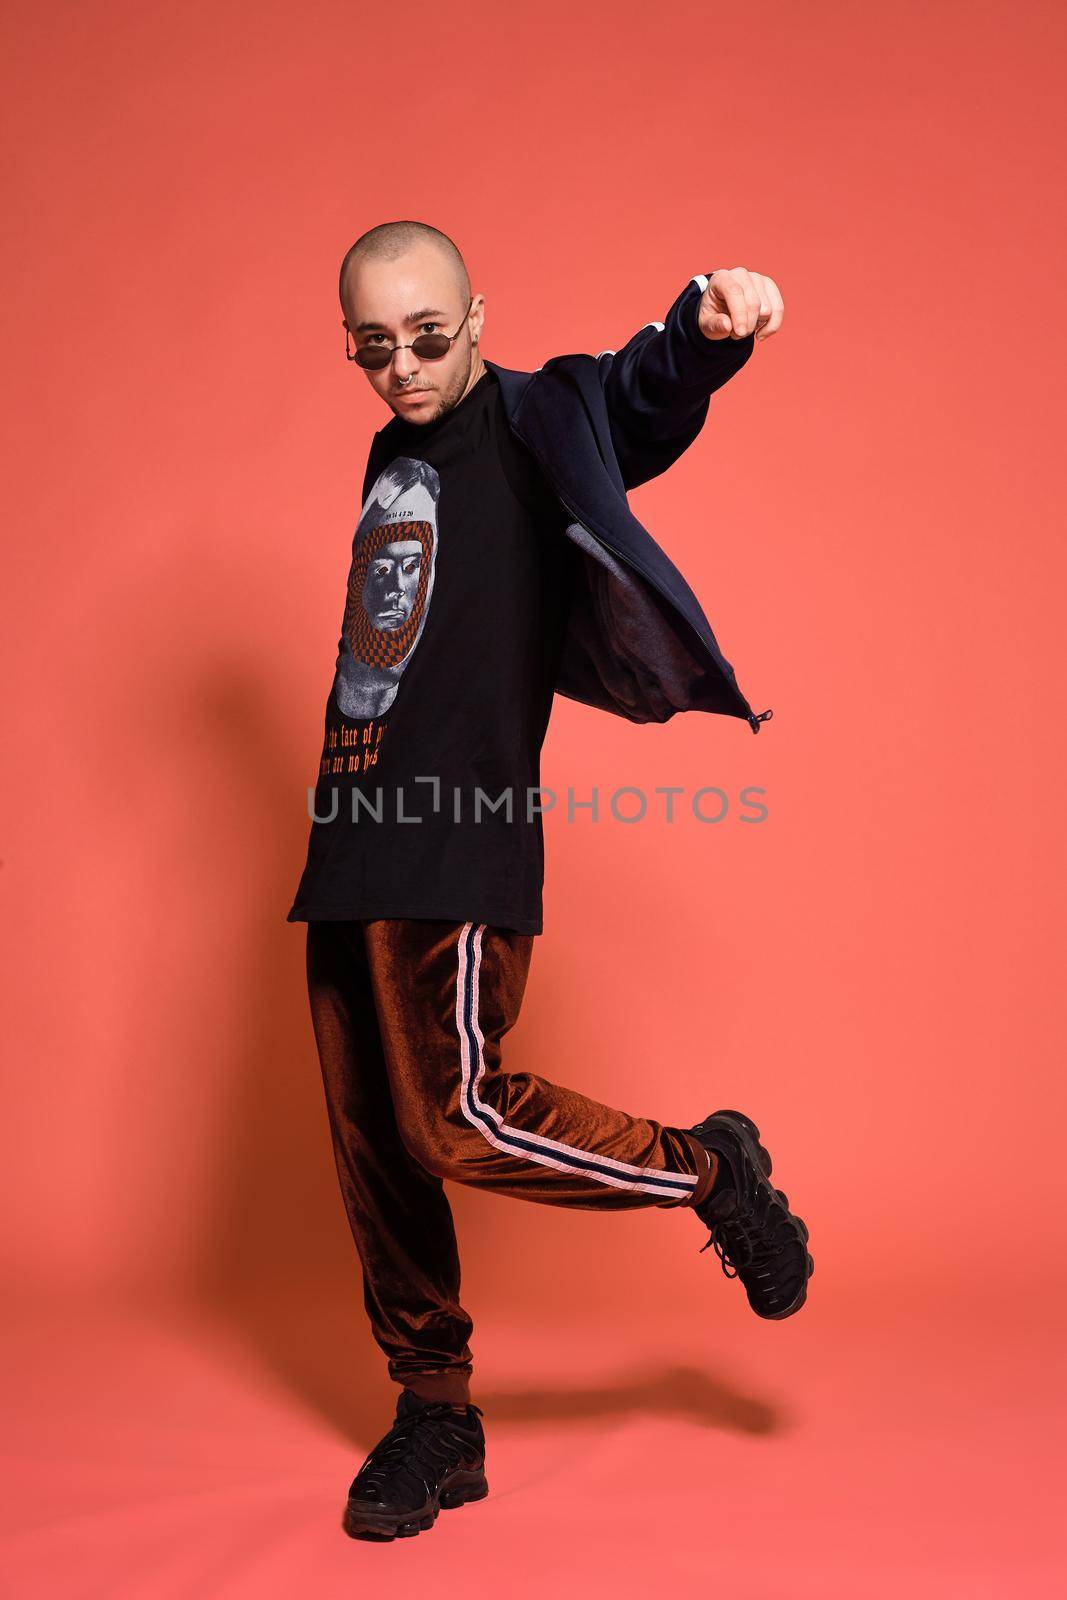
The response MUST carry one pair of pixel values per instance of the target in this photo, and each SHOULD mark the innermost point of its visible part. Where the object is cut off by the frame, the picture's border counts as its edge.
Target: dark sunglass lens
(373, 356)
(431, 346)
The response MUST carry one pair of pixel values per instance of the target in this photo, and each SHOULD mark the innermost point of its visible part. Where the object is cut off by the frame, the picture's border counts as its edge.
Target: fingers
(731, 293)
(771, 298)
(714, 324)
(753, 302)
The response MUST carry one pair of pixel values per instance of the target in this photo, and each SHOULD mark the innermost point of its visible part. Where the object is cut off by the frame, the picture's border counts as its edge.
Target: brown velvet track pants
(409, 1016)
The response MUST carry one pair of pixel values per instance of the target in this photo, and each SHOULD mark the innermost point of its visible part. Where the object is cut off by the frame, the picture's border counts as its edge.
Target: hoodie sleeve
(657, 386)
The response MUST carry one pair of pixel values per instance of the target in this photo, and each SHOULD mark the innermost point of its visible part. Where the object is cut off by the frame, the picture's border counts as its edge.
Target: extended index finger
(736, 304)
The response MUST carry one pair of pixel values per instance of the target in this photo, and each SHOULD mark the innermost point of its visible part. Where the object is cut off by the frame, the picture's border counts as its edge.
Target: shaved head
(391, 240)
(400, 281)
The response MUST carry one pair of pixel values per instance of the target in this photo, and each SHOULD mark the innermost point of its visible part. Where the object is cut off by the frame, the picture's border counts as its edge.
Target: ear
(477, 317)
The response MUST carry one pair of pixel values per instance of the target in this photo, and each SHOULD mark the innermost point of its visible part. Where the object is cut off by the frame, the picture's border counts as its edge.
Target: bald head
(389, 241)
(399, 281)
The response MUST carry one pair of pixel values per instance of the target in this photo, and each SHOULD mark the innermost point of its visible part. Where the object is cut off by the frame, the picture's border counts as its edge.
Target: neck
(477, 368)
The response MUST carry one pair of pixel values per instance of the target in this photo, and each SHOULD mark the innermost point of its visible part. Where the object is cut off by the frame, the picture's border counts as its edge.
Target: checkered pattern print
(379, 647)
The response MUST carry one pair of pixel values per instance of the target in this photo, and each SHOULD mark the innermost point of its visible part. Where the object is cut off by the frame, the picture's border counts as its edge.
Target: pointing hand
(738, 302)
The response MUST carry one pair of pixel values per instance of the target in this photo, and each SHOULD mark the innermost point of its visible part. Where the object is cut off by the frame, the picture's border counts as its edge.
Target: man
(422, 889)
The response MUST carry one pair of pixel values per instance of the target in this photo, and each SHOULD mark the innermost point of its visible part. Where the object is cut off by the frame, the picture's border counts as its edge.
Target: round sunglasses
(428, 347)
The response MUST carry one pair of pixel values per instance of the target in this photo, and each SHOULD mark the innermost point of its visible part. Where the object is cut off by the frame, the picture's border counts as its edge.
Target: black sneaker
(756, 1236)
(432, 1458)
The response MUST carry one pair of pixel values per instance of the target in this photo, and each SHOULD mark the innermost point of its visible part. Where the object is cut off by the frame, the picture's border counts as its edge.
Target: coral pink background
(868, 521)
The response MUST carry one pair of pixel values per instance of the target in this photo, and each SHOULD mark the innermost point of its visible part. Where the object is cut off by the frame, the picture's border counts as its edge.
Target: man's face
(392, 302)
(391, 584)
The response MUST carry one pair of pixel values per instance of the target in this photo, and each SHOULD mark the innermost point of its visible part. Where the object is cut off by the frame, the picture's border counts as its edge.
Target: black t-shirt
(446, 668)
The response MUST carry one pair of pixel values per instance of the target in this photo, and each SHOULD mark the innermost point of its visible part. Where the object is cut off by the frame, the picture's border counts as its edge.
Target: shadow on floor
(702, 1397)
(320, 1353)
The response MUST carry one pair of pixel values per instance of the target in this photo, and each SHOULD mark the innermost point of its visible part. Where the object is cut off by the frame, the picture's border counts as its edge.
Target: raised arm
(657, 386)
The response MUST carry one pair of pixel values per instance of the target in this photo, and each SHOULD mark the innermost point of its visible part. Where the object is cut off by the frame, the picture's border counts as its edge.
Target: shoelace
(738, 1244)
(401, 1445)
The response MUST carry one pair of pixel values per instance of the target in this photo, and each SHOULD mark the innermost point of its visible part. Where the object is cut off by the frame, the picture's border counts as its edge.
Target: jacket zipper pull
(756, 718)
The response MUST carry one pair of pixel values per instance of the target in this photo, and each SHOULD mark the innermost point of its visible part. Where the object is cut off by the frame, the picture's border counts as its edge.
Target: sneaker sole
(748, 1134)
(362, 1522)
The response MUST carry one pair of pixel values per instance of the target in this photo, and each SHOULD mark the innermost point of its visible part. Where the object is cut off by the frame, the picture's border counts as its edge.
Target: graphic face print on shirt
(390, 584)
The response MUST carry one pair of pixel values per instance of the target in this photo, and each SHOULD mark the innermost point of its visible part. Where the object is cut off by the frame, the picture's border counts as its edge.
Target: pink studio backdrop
(867, 520)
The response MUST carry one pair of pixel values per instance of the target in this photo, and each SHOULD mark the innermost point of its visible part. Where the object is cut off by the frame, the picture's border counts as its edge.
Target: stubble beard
(448, 398)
